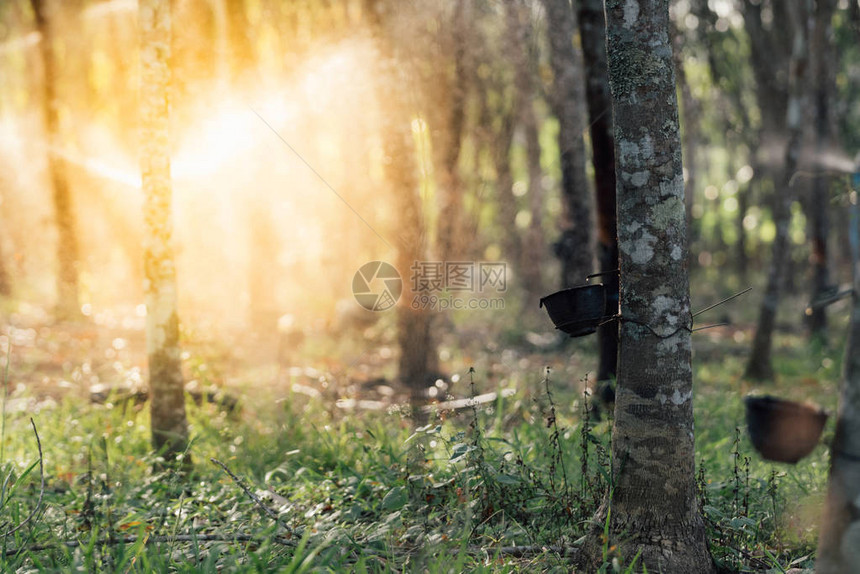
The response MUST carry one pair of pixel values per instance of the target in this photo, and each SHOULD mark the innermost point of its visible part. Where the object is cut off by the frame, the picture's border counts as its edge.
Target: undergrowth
(297, 486)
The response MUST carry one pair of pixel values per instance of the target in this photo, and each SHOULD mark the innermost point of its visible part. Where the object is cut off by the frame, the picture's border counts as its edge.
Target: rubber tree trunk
(760, 365)
(592, 30)
(167, 407)
(651, 509)
(64, 216)
(417, 346)
(819, 205)
(839, 538)
(575, 247)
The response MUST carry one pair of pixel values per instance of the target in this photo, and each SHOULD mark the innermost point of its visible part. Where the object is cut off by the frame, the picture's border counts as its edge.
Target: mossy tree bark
(169, 425)
(651, 510)
(575, 247)
(67, 241)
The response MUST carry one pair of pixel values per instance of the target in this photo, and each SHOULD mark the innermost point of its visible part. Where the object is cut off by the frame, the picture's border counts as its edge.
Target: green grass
(366, 493)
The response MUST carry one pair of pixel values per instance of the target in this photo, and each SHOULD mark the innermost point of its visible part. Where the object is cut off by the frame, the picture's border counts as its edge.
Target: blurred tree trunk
(241, 49)
(690, 115)
(5, 284)
(533, 243)
(447, 114)
(818, 207)
(651, 512)
(167, 409)
(67, 240)
(417, 346)
(574, 248)
(760, 365)
(741, 258)
(592, 29)
(839, 538)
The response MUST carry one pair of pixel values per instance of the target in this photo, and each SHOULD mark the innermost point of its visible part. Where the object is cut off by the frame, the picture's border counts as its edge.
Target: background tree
(167, 408)
(575, 247)
(67, 242)
(760, 364)
(839, 538)
(819, 204)
(651, 510)
(417, 347)
(525, 99)
(592, 29)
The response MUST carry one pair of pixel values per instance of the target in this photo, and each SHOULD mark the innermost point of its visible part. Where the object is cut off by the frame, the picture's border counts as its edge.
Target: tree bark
(839, 538)
(818, 207)
(167, 408)
(651, 510)
(592, 30)
(760, 365)
(67, 241)
(575, 247)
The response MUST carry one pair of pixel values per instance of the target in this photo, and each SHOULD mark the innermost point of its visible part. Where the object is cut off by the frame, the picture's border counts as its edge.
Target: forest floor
(321, 437)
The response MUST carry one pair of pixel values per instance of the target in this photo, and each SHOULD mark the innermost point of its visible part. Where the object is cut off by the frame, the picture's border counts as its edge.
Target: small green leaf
(395, 498)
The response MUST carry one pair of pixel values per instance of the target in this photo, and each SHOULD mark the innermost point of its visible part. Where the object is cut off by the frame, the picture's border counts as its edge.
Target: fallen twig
(269, 512)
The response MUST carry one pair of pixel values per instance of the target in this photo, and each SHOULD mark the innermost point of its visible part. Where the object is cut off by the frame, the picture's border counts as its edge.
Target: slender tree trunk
(417, 346)
(533, 244)
(651, 511)
(574, 248)
(760, 365)
(819, 204)
(167, 409)
(741, 258)
(448, 111)
(839, 538)
(67, 241)
(5, 284)
(690, 116)
(592, 29)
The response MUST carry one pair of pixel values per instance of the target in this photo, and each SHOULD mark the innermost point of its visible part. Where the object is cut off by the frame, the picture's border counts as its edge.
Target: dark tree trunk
(818, 208)
(839, 538)
(574, 248)
(760, 365)
(67, 241)
(592, 29)
(167, 408)
(651, 511)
